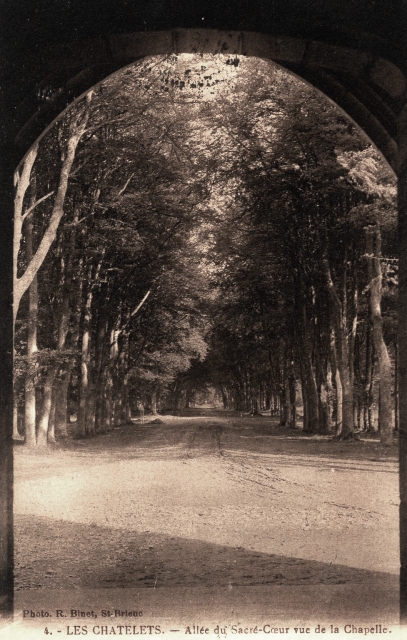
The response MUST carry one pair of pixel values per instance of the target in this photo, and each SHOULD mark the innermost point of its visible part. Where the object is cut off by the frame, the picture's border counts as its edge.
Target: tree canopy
(204, 225)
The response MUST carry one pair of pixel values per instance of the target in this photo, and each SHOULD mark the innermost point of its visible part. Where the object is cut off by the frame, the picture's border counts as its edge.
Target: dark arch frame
(352, 50)
(368, 87)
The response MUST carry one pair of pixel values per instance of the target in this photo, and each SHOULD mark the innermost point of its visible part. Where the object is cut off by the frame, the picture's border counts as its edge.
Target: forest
(204, 228)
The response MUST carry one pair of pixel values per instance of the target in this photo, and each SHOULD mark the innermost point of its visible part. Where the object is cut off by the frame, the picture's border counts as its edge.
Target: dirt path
(205, 503)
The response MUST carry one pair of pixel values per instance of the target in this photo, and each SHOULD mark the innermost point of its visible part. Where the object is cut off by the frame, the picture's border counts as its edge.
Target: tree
(374, 179)
(70, 134)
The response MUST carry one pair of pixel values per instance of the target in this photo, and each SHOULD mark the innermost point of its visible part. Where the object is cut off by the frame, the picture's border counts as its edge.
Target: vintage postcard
(206, 331)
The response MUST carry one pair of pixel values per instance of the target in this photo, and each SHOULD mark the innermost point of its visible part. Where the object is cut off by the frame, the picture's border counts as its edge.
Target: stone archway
(52, 55)
(368, 87)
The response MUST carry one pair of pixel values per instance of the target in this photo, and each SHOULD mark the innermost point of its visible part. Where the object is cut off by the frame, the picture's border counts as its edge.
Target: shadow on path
(54, 554)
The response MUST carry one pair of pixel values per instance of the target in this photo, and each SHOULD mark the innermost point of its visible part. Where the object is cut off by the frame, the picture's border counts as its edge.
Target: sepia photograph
(203, 319)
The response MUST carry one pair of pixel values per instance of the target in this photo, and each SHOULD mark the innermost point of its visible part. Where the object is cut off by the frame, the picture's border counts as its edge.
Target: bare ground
(212, 513)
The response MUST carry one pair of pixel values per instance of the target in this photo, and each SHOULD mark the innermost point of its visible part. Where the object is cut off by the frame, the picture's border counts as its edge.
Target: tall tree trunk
(308, 379)
(305, 420)
(330, 391)
(61, 404)
(16, 433)
(101, 354)
(368, 383)
(108, 408)
(373, 236)
(339, 403)
(22, 181)
(324, 425)
(285, 415)
(121, 374)
(43, 423)
(91, 407)
(304, 394)
(51, 419)
(30, 403)
(292, 396)
(71, 307)
(312, 396)
(343, 348)
(347, 393)
(85, 359)
(49, 395)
